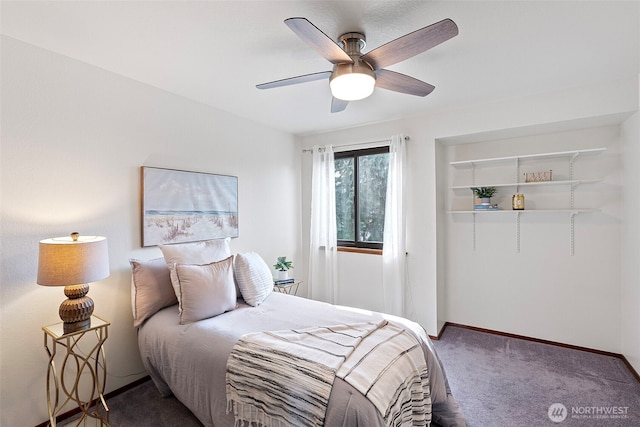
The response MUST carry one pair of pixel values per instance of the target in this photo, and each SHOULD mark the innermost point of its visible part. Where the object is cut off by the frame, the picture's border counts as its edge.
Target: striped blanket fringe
(284, 378)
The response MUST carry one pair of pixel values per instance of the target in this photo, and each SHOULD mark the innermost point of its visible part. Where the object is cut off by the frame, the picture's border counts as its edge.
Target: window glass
(361, 188)
(372, 192)
(345, 207)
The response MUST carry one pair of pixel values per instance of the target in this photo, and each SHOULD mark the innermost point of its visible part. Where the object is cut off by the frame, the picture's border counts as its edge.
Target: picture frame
(184, 206)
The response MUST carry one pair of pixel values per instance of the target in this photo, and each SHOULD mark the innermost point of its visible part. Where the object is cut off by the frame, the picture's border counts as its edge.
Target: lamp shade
(64, 261)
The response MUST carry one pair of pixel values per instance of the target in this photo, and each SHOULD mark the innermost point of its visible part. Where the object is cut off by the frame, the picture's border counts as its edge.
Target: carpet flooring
(503, 381)
(498, 382)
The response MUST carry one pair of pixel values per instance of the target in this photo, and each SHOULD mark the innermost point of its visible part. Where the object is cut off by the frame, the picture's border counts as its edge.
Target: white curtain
(394, 277)
(323, 240)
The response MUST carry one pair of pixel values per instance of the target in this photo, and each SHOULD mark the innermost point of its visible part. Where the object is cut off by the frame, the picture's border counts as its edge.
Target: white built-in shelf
(492, 162)
(572, 182)
(467, 163)
(525, 211)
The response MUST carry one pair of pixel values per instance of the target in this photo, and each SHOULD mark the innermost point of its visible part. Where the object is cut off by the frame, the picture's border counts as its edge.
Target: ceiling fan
(354, 75)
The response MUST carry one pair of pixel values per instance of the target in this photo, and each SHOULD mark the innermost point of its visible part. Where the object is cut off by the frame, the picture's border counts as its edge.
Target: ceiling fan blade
(295, 80)
(411, 44)
(338, 105)
(397, 82)
(318, 40)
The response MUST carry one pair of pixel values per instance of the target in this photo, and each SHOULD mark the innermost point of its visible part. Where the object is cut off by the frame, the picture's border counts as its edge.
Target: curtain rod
(355, 144)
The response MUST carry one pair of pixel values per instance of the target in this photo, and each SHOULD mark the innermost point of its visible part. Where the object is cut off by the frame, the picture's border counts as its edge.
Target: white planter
(282, 275)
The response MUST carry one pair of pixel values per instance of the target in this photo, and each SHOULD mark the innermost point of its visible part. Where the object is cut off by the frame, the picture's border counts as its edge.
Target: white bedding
(190, 360)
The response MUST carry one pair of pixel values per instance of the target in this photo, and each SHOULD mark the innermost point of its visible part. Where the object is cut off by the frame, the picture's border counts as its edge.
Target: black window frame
(355, 154)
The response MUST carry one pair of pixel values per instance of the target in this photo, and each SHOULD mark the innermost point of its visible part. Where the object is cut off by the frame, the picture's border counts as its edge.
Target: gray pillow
(151, 289)
(205, 290)
(194, 253)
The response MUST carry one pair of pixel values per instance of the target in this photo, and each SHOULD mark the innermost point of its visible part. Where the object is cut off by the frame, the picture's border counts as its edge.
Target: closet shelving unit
(571, 183)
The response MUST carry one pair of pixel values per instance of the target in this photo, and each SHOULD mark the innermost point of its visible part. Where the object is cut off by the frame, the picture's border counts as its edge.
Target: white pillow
(205, 290)
(253, 277)
(194, 253)
(151, 289)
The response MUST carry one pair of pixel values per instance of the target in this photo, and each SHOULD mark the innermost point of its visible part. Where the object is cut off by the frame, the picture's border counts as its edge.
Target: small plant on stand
(283, 266)
(484, 194)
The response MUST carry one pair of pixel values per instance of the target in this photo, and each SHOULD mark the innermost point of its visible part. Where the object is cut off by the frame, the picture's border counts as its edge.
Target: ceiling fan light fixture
(352, 87)
(352, 82)
(355, 74)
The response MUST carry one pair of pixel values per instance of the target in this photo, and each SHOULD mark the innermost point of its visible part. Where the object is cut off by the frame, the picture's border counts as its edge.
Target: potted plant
(282, 266)
(484, 194)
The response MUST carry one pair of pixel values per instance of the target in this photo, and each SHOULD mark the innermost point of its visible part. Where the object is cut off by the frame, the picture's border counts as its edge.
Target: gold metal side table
(88, 365)
(289, 288)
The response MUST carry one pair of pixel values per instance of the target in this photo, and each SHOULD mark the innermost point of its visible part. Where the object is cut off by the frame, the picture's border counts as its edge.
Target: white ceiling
(215, 52)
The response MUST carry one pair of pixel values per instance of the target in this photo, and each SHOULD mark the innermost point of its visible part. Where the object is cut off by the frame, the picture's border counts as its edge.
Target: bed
(189, 358)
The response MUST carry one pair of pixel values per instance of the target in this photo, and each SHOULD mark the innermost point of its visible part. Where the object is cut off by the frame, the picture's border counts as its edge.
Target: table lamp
(73, 262)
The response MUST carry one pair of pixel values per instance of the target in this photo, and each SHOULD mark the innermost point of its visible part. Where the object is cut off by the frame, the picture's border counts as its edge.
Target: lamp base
(77, 309)
(68, 327)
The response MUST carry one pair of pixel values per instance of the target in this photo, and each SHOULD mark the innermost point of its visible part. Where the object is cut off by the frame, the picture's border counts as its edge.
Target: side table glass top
(56, 330)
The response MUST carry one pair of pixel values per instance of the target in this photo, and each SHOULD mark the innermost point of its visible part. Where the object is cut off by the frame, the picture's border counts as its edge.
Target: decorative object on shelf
(486, 207)
(182, 206)
(283, 266)
(73, 262)
(484, 194)
(538, 176)
(517, 202)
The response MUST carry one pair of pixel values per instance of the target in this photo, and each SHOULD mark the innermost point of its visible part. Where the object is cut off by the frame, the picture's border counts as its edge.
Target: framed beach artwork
(182, 206)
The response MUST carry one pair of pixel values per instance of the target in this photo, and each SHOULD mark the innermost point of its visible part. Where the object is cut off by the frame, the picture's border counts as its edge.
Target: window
(361, 190)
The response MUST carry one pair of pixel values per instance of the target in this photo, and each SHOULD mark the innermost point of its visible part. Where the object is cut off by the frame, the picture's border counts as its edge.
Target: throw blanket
(284, 378)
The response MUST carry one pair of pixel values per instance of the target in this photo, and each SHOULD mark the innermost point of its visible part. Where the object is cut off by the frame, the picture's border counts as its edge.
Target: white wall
(577, 108)
(73, 139)
(630, 331)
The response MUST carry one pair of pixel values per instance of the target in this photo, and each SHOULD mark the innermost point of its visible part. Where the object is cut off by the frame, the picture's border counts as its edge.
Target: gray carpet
(502, 381)
(498, 381)
(142, 406)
